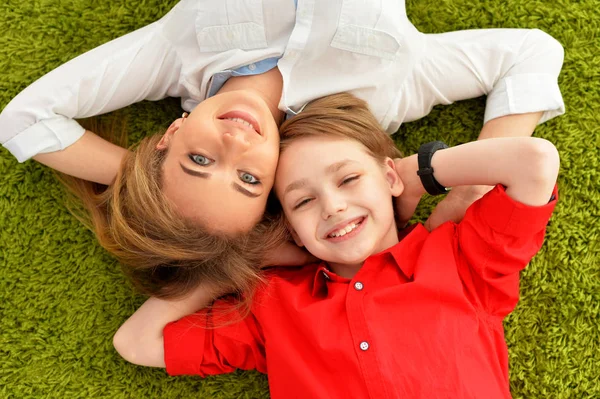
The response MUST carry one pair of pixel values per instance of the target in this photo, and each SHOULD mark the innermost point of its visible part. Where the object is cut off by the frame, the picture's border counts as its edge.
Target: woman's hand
(288, 254)
(453, 207)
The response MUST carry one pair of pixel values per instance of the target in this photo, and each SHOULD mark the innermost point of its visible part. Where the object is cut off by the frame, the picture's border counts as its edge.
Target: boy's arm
(453, 207)
(140, 339)
(526, 166)
(501, 232)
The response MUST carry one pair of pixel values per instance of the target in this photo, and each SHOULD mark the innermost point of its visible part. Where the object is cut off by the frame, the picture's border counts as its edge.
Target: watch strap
(425, 172)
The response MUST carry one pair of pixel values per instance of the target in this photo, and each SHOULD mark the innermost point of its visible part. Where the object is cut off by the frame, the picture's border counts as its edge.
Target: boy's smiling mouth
(346, 230)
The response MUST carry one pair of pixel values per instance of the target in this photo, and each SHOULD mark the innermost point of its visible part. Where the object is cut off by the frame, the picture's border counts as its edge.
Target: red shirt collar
(401, 255)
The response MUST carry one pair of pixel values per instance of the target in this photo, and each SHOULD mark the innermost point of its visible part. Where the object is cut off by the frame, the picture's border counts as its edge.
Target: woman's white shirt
(324, 47)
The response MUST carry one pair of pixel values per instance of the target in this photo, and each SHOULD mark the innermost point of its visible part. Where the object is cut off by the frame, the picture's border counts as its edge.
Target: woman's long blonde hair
(162, 253)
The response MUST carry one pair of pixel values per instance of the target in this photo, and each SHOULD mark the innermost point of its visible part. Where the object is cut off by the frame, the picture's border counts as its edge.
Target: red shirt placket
(364, 346)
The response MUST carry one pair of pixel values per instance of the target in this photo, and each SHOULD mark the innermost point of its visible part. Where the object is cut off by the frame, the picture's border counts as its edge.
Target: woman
(180, 198)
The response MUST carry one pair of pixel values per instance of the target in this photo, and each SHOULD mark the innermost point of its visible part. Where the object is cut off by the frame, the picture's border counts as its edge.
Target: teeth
(345, 230)
(241, 121)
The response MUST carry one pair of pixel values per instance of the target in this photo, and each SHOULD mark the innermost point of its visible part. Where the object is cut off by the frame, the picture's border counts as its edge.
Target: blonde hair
(340, 115)
(162, 253)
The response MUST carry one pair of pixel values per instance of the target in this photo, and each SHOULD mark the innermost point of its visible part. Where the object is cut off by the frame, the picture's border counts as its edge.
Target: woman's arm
(140, 65)
(140, 339)
(516, 68)
(91, 158)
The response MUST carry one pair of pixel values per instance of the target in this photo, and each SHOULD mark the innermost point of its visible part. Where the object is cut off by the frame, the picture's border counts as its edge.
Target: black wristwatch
(425, 172)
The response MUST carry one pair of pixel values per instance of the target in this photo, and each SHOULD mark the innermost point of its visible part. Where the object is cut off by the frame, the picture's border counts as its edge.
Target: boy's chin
(344, 259)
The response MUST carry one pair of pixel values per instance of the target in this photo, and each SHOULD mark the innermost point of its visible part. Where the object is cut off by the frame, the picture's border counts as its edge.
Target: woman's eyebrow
(203, 175)
(242, 190)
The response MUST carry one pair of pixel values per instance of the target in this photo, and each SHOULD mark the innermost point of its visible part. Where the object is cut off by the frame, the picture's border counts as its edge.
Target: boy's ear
(392, 177)
(295, 236)
(163, 144)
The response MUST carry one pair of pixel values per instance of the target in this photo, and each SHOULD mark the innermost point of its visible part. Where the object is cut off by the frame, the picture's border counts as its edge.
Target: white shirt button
(252, 67)
(358, 286)
(364, 345)
(230, 35)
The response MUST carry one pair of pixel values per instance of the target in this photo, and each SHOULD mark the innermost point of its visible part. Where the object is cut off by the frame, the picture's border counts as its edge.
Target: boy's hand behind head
(288, 254)
(406, 203)
(453, 207)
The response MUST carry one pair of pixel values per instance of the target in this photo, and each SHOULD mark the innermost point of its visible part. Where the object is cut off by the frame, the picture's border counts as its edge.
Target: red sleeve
(214, 341)
(496, 240)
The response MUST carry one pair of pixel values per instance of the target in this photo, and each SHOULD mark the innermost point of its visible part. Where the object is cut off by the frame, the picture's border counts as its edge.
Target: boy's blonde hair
(340, 115)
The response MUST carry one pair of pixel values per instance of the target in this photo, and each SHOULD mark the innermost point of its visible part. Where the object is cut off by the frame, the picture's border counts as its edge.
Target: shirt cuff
(48, 135)
(520, 94)
(508, 216)
(184, 344)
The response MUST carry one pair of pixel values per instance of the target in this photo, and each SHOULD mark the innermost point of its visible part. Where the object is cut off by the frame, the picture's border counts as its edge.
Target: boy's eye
(200, 159)
(302, 203)
(349, 179)
(248, 178)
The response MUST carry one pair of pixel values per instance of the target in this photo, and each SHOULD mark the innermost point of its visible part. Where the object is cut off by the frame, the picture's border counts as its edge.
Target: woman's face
(221, 161)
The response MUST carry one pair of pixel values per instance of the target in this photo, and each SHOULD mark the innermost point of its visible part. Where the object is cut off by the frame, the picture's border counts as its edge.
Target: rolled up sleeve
(141, 65)
(213, 342)
(516, 68)
(496, 240)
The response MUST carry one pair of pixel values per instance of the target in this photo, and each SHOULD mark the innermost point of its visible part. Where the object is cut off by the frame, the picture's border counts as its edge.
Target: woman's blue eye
(200, 159)
(248, 178)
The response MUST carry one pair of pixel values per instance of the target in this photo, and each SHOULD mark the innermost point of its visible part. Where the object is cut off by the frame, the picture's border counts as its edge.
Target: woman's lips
(245, 116)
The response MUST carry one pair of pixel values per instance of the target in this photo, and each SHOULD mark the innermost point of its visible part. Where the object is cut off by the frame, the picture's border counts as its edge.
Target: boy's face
(337, 198)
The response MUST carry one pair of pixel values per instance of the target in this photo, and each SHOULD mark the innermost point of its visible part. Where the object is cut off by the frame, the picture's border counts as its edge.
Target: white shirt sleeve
(141, 65)
(517, 68)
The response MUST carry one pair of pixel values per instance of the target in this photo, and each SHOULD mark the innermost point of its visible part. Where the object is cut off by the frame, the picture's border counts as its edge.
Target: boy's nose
(333, 206)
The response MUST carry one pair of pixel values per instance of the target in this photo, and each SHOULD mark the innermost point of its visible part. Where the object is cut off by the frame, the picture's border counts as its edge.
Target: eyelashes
(245, 177)
(345, 181)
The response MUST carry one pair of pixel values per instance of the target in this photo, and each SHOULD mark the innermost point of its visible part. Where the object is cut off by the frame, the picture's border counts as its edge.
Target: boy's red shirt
(422, 319)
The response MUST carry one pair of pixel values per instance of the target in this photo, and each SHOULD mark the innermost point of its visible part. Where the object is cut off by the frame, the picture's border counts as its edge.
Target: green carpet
(62, 297)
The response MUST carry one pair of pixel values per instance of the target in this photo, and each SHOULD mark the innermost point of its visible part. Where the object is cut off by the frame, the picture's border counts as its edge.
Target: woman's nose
(236, 140)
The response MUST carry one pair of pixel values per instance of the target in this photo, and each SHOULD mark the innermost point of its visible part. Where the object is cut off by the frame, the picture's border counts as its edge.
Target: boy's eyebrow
(337, 166)
(330, 169)
(295, 186)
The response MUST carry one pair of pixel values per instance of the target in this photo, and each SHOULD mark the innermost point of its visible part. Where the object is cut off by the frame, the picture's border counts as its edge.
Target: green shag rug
(62, 297)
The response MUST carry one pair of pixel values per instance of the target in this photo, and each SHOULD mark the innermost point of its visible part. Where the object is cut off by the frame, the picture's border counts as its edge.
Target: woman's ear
(295, 236)
(163, 144)
(393, 178)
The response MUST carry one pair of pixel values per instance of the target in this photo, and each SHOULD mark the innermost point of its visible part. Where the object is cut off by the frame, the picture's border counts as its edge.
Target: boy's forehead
(317, 156)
